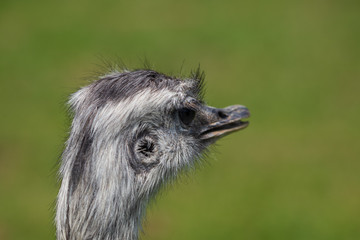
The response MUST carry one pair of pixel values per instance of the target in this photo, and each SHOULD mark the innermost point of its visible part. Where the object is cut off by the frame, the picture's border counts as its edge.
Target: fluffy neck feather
(98, 207)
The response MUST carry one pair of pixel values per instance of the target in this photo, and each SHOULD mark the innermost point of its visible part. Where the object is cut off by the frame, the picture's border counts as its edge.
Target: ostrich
(132, 131)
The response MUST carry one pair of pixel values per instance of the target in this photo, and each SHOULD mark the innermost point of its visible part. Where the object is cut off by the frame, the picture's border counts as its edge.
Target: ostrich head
(131, 132)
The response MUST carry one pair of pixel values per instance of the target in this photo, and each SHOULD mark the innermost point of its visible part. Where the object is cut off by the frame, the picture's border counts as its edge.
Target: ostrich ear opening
(145, 147)
(146, 152)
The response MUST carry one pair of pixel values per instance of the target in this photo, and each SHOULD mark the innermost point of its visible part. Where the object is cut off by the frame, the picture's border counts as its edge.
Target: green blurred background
(293, 174)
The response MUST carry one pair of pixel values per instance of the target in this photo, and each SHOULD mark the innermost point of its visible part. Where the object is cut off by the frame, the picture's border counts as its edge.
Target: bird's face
(142, 128)
(175, 131)
(184, 132)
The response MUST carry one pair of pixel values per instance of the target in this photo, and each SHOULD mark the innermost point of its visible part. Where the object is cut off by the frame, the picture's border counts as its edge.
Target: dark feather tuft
(199, 76)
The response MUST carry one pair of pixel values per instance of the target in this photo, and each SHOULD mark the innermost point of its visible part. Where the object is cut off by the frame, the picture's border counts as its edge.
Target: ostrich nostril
(221, 114)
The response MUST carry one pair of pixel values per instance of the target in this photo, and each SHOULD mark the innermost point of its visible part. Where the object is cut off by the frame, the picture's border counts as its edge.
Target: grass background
(293, 174)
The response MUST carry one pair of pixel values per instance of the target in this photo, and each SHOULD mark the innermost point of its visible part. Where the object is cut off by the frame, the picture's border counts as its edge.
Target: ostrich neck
(102, 218)
(99, 209)
(100, 199)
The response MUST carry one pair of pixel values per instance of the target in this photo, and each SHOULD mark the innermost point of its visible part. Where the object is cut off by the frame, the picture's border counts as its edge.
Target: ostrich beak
(222, 121)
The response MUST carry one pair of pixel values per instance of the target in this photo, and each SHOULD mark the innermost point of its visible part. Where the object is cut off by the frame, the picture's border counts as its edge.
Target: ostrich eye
(186, 115)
